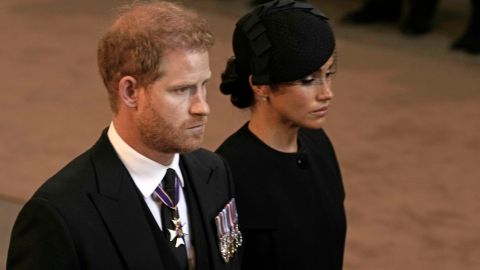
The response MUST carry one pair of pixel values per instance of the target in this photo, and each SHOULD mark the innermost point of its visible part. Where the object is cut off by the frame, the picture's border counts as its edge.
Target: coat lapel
(208, 198)
(202, 198)
(119, 205)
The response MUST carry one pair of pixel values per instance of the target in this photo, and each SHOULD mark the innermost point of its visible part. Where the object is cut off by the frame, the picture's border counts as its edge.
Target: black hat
(282, 41)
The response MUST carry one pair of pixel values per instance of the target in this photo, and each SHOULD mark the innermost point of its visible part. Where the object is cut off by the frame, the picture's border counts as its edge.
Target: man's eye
(182, 90)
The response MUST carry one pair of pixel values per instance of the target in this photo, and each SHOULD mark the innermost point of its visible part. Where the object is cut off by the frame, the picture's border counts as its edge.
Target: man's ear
(127, 91)
(262, 91)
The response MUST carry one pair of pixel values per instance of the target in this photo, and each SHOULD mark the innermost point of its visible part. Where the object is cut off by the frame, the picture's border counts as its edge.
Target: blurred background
(405, 121)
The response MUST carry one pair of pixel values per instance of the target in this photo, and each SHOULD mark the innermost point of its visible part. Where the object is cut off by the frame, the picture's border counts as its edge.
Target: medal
(177, 233)
(171, 202)
(229, 235)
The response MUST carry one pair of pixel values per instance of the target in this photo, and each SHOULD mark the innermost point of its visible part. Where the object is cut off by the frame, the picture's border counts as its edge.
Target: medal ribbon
(233, 215)
(234, 210)
(163, 196)
(225, 224)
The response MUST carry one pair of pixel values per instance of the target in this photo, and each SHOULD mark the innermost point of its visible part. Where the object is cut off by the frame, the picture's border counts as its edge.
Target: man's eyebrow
(207, 80)
(181, 86)
(184, 85)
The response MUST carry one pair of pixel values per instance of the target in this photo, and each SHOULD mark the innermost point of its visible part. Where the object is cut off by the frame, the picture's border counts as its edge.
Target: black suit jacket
(90, 216)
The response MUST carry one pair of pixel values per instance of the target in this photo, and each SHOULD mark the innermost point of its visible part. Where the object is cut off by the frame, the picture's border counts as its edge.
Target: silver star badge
(177, 233)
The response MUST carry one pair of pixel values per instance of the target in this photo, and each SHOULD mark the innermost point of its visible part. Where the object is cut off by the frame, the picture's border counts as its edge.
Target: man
(142, 197)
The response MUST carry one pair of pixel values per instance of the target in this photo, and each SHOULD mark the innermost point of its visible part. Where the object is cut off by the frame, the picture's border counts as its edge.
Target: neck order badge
(169, 196)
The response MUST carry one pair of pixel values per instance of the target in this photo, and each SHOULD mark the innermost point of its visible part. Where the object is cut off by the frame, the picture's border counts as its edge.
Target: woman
(288, 183)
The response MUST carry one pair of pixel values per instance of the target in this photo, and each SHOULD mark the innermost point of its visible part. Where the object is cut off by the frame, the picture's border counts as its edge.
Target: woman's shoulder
(316, 141)
(315, 136)
(238, 143)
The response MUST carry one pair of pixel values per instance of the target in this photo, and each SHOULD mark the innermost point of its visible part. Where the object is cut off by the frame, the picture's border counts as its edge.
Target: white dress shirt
(147, 175)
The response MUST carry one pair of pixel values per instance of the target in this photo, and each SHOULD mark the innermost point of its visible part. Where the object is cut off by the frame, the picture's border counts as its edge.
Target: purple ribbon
(163, 196)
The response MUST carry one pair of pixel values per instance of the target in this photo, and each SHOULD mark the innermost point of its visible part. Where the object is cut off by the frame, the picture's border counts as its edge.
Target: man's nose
(199, 104)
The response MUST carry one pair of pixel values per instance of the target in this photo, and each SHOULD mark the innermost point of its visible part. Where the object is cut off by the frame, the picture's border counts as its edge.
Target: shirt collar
(146, 173)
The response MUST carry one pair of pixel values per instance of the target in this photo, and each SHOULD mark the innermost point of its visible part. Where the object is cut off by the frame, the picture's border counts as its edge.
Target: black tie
(170, 215)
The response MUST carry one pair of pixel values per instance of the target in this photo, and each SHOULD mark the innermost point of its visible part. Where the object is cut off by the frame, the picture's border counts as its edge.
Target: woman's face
(305, 102)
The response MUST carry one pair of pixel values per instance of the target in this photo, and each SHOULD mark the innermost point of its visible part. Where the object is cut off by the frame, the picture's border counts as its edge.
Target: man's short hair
(135, 43)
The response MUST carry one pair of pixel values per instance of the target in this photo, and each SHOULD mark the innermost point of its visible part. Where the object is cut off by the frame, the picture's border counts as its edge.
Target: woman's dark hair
(236, 86)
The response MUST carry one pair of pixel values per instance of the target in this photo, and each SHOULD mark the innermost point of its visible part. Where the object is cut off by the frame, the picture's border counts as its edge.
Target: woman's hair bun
(229, 77)
(236, 85)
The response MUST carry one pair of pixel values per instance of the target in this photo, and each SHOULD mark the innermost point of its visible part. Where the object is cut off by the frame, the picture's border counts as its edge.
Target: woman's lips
(320, 112)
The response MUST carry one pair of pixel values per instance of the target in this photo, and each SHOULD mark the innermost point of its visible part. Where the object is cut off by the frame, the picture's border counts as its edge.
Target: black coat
(90, 215)
(290, 205)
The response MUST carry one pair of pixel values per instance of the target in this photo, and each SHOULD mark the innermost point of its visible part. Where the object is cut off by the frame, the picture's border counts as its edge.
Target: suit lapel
(120, 207)
(196, 224)
(205, 237)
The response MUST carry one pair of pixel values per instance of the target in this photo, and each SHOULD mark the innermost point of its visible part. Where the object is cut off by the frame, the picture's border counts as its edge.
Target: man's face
(172, 112)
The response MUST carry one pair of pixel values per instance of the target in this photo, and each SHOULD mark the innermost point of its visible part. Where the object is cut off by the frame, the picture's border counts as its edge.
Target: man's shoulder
(204, 156)
(80, 174)
(73, 179)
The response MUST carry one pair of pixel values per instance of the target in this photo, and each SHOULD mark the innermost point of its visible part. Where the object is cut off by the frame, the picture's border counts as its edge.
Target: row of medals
(230, 242)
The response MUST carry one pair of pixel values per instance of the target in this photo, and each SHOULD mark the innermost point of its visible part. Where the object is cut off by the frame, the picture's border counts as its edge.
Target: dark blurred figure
(470, 40)
(259, 2)
(418, 20)
(375, 11)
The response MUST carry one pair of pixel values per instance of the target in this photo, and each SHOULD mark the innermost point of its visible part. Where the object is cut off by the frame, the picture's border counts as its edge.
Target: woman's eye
(307, 81)
(330, 74)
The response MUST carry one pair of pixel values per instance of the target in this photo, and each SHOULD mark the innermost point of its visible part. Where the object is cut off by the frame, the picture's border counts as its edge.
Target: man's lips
(197, 127)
